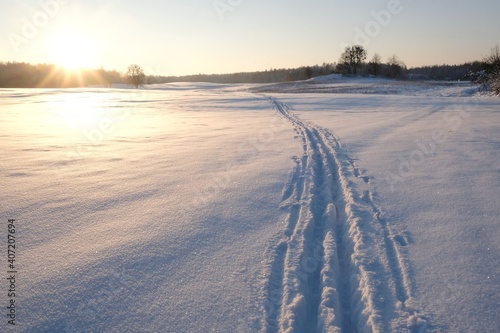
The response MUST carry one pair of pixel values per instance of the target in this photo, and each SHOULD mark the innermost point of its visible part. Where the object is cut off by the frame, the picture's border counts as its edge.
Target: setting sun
(73, 50)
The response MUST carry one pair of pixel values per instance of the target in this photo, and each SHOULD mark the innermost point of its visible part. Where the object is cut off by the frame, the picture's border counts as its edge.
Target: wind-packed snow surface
(329, 205)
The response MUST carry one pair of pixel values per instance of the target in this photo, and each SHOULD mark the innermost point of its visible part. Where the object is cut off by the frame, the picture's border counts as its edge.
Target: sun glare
(73, 50)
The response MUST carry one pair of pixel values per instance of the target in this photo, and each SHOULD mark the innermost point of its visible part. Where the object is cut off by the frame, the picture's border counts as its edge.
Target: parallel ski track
(339, 267)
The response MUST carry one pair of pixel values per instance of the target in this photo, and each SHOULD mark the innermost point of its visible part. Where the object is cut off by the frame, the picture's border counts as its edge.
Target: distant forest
(24, 75)
(439, 72)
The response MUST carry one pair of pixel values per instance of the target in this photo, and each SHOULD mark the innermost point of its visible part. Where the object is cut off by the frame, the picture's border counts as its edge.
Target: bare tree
(352, 58)
(375, 64)
(395, 67)
(308, 72)
(493, 59)
(135, 75)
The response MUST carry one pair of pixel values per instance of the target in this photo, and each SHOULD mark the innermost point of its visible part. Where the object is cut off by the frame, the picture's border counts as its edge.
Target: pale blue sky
(178, 37)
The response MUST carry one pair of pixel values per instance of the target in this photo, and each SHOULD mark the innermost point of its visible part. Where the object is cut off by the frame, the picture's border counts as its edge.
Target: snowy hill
(337, 84)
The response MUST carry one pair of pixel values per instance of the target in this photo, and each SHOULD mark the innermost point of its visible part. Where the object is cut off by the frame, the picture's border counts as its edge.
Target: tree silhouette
(395, 68)
(135, 75)
(352, 58)
(375, 64)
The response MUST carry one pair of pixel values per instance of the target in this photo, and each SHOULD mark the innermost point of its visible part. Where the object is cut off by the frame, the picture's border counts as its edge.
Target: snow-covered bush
(481, 78)
(494, 80)
(488, 78)
(493, 69)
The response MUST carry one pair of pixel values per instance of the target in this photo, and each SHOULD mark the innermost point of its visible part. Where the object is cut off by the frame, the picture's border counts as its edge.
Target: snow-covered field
(331, 205)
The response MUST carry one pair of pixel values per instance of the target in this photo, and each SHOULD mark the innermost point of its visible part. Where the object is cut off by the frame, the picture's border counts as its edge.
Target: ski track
(340, 266)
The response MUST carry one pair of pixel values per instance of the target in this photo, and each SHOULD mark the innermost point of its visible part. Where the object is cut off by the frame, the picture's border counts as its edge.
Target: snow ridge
(340, 266)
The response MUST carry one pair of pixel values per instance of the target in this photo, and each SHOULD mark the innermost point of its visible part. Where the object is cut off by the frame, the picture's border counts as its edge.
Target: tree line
(485, 72)
(352, 62)
(267, 76)
(25, 75)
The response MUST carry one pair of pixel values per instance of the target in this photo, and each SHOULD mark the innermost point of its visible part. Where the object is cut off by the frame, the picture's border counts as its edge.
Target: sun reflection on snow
(72, 116)
(61, 117)
(85, 122)
(78, 113)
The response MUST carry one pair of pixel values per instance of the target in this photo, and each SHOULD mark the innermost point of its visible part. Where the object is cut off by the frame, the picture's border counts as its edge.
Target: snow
(432, 165)
(337, 84)
(329, 205)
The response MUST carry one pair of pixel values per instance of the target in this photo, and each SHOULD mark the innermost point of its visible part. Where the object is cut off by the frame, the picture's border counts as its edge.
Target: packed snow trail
(339, 267)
